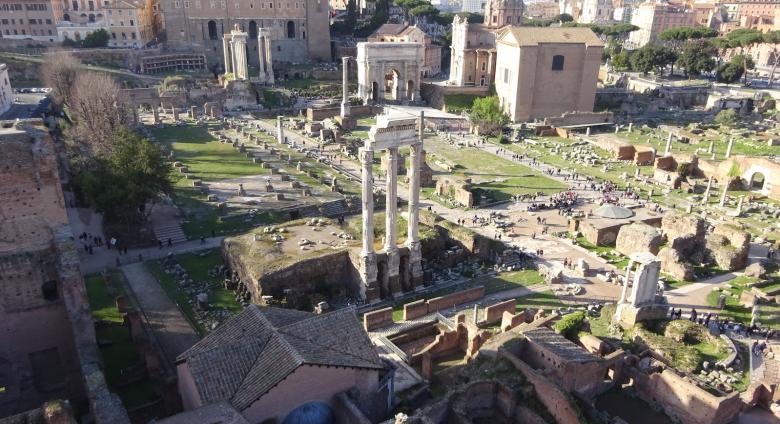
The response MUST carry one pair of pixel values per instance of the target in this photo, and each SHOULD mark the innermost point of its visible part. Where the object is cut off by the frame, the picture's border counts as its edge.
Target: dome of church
(310, 413)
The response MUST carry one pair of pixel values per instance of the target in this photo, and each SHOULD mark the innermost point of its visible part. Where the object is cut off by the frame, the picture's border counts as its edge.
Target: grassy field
(751, 145)
(206, 158)
(539, 300)
(510, 280)
(605, 252)
(498, 177)
(733, 310)
(197, 265)
(456, 103)
(117, 349)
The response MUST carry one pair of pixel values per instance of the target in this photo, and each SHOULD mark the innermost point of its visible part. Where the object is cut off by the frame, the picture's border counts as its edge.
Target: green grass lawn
(733, 310)
(499, 178)
(510, 280)
(197, 265)
(456, 103)
(539, 300)
(606, 252)
(206, 158)
(117, 349)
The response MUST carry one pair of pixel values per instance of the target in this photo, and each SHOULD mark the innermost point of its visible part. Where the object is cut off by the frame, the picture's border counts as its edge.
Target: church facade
(298, 29)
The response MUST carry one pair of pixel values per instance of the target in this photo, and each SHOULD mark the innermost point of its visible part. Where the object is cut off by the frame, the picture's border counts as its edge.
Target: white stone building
(6, 93)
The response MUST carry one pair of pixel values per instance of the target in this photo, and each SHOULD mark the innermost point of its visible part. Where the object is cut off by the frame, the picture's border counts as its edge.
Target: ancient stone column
(587, 131)
(238, 45)
(706, 196)
(668, 150)
(391, 212)
(194, 112)
(279, 130)
(345, 86)
(266, 58)
(730, 146)
(227, 55)
(624, 293)
(724, 191)
(739, 205)
(156, 114)
(712, 147)
(367, 266)
(630, 126)
(412, 230)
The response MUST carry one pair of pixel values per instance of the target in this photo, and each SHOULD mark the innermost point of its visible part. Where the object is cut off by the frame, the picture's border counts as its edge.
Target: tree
(121, 183)
(59, 72)
(697, 56)
(734, 69)
(98, 112)
(744, 38)
(563, 18)
(772, 38)
(621, 61)
(425, 10)
(486, 113)
(677, 37)
(652, 57)
(408, 5)
(726, 117)
(97, 38)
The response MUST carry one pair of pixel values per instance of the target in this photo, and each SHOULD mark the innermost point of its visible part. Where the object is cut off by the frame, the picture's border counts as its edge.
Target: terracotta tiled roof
(258, 348)
(390, 29)
(531, 36)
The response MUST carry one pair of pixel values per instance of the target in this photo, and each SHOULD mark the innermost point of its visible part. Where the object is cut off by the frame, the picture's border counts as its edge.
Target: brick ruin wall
(43, 301)
(683, 400)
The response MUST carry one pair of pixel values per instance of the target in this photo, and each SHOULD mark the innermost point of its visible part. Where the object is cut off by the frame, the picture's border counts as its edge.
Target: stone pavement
(103, 258)
(173, 332)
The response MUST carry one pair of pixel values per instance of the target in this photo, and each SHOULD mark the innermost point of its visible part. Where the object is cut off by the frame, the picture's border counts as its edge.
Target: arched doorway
(757, 181)
(212, 30)
(392, 86)
(66, 17)
(92, 17)
(410, 90)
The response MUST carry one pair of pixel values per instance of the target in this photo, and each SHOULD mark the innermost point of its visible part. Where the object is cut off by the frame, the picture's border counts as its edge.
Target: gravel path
(169, 326)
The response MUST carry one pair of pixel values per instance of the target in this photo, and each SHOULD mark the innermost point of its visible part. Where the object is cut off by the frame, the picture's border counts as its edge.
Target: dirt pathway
(169, 326)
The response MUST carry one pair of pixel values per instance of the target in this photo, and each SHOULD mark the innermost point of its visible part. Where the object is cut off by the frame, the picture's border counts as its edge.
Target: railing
(393, 348)
(446, 321)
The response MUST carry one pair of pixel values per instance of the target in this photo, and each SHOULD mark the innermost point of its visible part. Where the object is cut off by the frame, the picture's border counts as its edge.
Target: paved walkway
(169, 326)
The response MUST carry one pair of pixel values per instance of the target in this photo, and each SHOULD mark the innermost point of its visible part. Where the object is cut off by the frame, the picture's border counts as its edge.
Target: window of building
(49, 290)
(33, 21)
(212, 30)
(75, 5)
(91, 5)
(506, 76)
(186, 5)
(48, 22)
(484, 64)
(50, 32)
(237, 5)
(132, 35)
(133, 24)
(557, 62)
(113, 35)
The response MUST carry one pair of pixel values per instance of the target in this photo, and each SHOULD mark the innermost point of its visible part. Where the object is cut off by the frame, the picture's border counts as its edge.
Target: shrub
(570, 324)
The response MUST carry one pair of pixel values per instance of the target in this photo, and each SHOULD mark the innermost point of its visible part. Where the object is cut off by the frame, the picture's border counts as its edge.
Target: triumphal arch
(389, 71)
(391, 270)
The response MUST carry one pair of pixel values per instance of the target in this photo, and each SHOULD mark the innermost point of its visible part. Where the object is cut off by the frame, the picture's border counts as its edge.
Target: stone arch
(393, 84)
(252, 30)
(212, 27)
(290, 29)
(391, 66)
(757, 181)
(92, 17)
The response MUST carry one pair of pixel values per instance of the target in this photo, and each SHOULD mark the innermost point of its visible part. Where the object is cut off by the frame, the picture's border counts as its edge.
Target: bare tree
(59, 71)
(98, 112)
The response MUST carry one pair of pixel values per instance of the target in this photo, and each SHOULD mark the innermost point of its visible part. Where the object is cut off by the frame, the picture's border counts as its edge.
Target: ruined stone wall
(583, 377)
(48, 345)
(494, 313)
(681, 399)
(554, 399)
(318, 114)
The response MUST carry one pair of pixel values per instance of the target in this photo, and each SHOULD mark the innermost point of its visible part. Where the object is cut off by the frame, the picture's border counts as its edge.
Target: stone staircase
(329, 209)
(174, 232)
